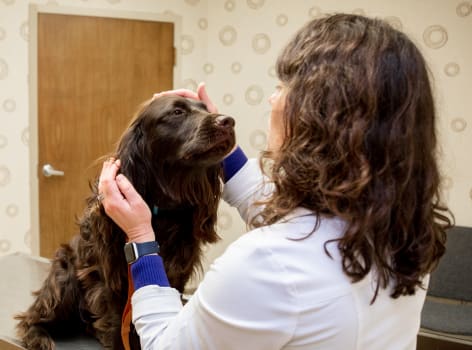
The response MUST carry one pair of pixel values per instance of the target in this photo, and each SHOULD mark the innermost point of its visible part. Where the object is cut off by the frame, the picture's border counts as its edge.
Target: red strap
(126, 317)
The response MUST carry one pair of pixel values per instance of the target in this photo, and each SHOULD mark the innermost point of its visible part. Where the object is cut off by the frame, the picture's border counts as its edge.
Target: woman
(347, 224)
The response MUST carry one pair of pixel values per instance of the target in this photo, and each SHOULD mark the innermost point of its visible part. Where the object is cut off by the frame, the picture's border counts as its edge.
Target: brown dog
(172, 154)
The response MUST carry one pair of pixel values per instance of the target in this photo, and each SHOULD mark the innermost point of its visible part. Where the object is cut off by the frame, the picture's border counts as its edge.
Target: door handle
(48, 171)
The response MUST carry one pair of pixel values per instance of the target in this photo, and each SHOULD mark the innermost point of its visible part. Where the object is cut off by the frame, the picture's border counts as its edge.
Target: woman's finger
(127, 190)
(107, 188)
(103, 176)
(203, 96)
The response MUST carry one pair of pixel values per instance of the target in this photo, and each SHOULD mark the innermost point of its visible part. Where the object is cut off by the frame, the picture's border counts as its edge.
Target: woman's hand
(200, 95)
(123, 204)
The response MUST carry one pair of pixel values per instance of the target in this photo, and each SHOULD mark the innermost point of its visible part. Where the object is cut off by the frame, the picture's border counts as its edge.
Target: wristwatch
(134, 250)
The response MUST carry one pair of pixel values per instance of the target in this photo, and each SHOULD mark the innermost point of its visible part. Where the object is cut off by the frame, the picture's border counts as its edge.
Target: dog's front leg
(54, 307)
(105, 314)
(108, 331)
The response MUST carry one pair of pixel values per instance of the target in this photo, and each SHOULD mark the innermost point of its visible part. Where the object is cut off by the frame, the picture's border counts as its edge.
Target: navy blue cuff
(147, 270)
(233, 162)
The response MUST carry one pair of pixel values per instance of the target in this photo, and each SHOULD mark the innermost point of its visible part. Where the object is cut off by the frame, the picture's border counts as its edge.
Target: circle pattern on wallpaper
(228, 35)
(186, 44)
(5, 245)
(224, 220)
(271, 71)
(114, 1)
(3, 33)
(458, 124)
(203, 23)
(255, 4)
(281, 20)
(230, 5)
(208, 68)
(464, 9)
(258, 139)
(192, 2)
(236, 67)
(25, 136)
(452, 69)
(394, 22)
(9, 105)
(12, 210)
(435, 36)
(3, 141)
(3, 69)
(190, 84)
(4, 175)
(8, 2)
(228, 99)
(315, 12)
(254, 95)
(261, 43)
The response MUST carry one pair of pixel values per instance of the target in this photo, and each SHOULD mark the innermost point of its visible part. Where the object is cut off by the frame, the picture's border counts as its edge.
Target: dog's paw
(38, 339)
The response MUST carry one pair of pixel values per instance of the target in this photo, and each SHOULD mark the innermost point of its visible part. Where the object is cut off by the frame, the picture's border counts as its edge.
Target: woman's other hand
(123, 204)
(200, 95)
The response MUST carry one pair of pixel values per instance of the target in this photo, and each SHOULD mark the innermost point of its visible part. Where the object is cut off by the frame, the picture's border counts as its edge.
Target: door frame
(34, 11)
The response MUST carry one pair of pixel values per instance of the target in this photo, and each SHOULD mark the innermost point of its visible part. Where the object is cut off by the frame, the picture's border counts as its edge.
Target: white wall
(232, 45)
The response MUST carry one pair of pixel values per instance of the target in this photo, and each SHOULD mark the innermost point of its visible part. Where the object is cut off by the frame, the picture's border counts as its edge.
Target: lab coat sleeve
(230, 310)
(247, 187)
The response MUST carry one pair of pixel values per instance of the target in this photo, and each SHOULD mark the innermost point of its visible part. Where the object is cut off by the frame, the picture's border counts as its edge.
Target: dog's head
(181, 132)
(172, 153)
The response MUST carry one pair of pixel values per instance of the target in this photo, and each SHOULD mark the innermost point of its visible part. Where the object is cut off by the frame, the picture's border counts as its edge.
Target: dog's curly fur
(172, 154)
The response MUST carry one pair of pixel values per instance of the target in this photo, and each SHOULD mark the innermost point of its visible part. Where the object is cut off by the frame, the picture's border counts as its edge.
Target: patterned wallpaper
(232, 45)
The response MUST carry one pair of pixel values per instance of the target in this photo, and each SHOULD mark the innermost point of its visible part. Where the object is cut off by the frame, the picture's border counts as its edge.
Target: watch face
(130, 252)
(134, 250)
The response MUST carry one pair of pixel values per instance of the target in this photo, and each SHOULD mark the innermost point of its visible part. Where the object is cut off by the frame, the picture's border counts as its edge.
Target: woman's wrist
(233, 162)
(141, 234)
(149, 270)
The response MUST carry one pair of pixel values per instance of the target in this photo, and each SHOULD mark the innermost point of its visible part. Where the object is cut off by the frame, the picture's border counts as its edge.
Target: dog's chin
(211, 154)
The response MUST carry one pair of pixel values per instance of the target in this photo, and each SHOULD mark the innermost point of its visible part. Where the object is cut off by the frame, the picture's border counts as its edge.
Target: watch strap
(134, 250)
(147, 248)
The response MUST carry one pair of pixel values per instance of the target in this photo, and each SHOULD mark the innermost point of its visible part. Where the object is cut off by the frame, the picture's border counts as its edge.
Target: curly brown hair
(360, 116)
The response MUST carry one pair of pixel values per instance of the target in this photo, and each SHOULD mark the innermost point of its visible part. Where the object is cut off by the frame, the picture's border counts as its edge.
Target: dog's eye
(178, 111)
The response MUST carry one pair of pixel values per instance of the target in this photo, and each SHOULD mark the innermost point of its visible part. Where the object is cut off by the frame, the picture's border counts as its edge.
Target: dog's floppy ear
(100, 237)
(205, 222)
(133, 156)
(205, 213)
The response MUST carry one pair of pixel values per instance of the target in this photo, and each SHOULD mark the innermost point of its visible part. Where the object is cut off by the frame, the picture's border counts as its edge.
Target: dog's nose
(224, 121)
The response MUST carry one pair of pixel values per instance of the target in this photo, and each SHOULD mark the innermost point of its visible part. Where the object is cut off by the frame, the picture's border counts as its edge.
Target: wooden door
(93, 73)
